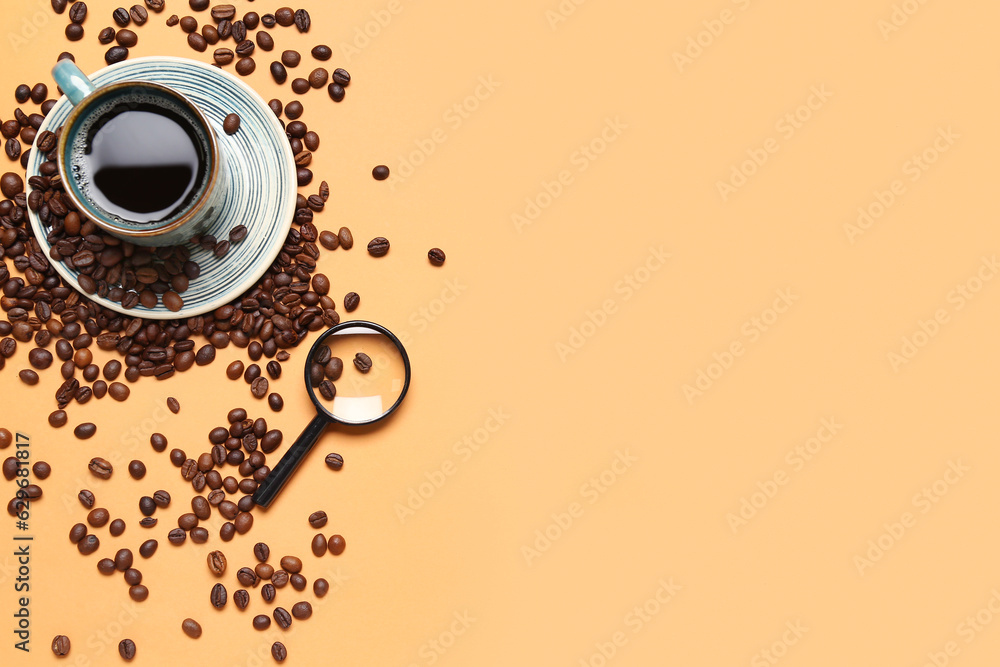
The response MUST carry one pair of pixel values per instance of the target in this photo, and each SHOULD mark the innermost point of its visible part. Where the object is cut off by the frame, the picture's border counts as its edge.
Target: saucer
(263, 184)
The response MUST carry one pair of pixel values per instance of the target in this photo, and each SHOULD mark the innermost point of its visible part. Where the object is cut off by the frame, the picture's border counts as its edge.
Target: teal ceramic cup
(171, 182)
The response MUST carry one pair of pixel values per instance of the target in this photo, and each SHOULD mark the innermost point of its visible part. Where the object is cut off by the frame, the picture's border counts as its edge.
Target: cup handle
(72, 80)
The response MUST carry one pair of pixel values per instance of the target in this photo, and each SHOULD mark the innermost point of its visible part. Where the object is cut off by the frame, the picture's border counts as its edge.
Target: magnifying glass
(357, 373)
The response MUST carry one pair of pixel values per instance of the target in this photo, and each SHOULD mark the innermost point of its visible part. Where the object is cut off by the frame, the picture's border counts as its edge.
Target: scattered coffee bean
(259, 387)
(123, 560)
(126, 649)
(106, 566)
(10, 468)
(327, 390)
(318, 77)
(279, 74)
(261, 622)
(351, 300)
(148, 548)
(346, 238)
(198, 5)
(319, 544)
(77, 533)
(116, 528)
(156, 5)
(278, 650)
(302, 610)
(189, 24)
(341, 77)
(218, 596)
(148, 522)
(177, 536)
(197, 42)
(300, 86)
(88, 545)
(126, 38)
(336, 92)
(139, 14)
(161, 499)
(60, 643)
(78, 12)
(245, 66)
(380, 172)
(261, 552)
(362, 362)
(106, 36)
(264, 41)
(137, 469)
(98, 467)
(173, 20)
(282, 617)
(436, 256)
(119, 391)
(173, 405)
(28, 377)
(199, 534)
(132, 577)
(232, 122)
(86, 498)
(336, 544)
(217, 563)
(223, 56)
(138, 592)
(334, 461)
(191, 628)
(378, 246)
(115, 54)
(275, 402)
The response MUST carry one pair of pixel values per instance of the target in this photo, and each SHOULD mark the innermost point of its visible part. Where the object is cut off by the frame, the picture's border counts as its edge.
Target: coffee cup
(139, 159)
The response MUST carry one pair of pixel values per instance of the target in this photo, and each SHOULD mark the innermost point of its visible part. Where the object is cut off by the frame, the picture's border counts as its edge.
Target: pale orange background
(484, 334)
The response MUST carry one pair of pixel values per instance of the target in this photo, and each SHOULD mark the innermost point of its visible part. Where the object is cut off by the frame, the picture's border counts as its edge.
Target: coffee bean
(147, 506)
(336, 92)
(156, 5)
(279, 652)
(126, 649)
(319, 542)
(138, 592)
(173, 301)
(60, 643)
(218, 596)
(259, 387)
(191, 628)
(106, 36)
(132, 577)
(139, 14)
(197, 42)
(10, 468)
(187, 521)
(261, 622)
(189, 24)
(346, 238)
(261, 552)
(217, 563)
(334, 461)
(436, 256)
(318, 77)
(173, 405)
(88, 545)
(177, 536)
(279, 74)
(302, 610)
(77, 533)
(232, 122)
(201, 508)
(241, 598)
(205, 356)
(126, 38)
(223, 56)
(178, 457)
(378, 246)
(198, 5)
(115, 54)
(148, 548)
(298, 581)
(148, 522)
(243, 522)
(336, 544)
(31, 491)
(116, 528)
(380, 172)
(264, 41)
(245, 66)
(282, 617)
(362, 362)
(137, 469)
(123, 560)
(13, 148)
(121, 17)
(351, 301)
(41, 470)
(246, 577)
(173, 20)
(341, 77)
(106, 566)
(119, 391)
(11, 185)
(291, 564)
(78, 12)
(279, 579)
(300, 86)
(199, 534)
(98, 467)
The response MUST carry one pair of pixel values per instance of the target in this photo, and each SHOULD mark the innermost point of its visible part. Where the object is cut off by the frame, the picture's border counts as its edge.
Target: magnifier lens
(357, 375)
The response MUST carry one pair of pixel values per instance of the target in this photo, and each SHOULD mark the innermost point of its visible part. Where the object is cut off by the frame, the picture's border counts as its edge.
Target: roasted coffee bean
(223, 56)
(41, 470)
(341, 77)
(187, 521)
(60, 643)
(86, 498)
(126, 38)
(162, 499)
(88, 545)
(259, 387)
(148, 522)
(22, 93)
(223, 13)
(334, 461)
(106, 566)
(329, 240)
(278, 73)
(302, 610)
(191, 628)
(106, 36)
(148, 548)
(279, 579)
(218, 596)
(300, 86)
(436, 256)
(275, 402)
(273, 369)
(137, 469)
(121, 17)
(298, 581)
(115, 54)
(98, 467)
(77, 533)
(322, 52)
(147, 506)
(158, 442)
(126, 649)
(138, 592)
(205, 356)
(243, 522)
(291, 564)
(380, 172)
(177, 536)
(336, 92)
(217, 563)
(139, 14)
(189, 24)
(261, 622)
(246, 577)
(362, 362)
(31, 492)
(378, 246)
(261, 552)
(74, 32)
(319, 543)
(10, 468)
(116, 527)
(210, 33)
(336, 544)
(198, 5)
(279, 652)
(173, 405)
(239, 35)
(40, 359)
(132, 577)
(156, 5)
(197, 42)
(318, 77)
(199, 534)
(264, 41)
(282, 617)
(231, 124)
(78, 12)
(178, 457)
(302, 20)
(241, 598)
(201, 508)
(268, 20)
(13, 148)
(346, 239)
(293, 110)
(284, 16)
(245, 66)
(123, 560)
(119, 391)
(237, 233)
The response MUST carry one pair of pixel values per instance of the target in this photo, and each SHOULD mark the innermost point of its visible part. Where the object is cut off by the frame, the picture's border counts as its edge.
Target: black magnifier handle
(273, 483)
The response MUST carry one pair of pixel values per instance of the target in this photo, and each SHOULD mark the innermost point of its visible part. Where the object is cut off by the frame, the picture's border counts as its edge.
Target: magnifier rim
(332, 331)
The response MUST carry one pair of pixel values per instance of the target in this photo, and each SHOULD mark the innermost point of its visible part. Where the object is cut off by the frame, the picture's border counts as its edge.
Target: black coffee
(142, 162)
